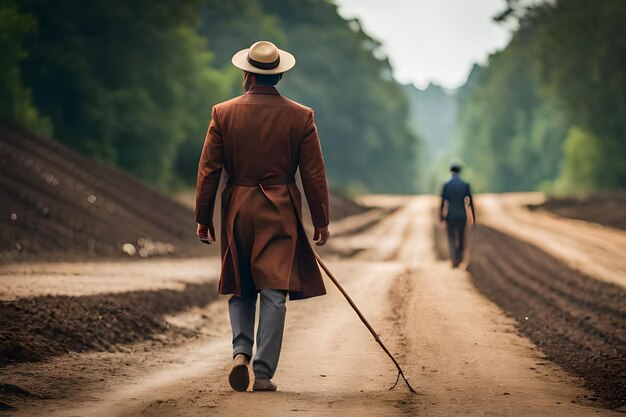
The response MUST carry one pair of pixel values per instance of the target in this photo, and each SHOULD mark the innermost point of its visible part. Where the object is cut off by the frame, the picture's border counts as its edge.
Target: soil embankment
(38, 328)
(579, 322)
(607, 210)
(57, 204)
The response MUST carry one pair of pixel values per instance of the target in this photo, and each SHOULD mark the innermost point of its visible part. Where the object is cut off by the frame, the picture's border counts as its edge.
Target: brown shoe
(264, 385)
(239, 376)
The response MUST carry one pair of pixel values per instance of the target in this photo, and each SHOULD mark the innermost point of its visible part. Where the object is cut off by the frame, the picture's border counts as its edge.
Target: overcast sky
(431, 40)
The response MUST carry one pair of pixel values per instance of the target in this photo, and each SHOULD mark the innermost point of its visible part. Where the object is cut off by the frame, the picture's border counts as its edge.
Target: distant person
(456, 193)
(261, 139)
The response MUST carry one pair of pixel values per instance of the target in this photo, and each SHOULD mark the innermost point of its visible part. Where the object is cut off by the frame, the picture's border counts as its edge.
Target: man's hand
(321, 236)
(206, 233)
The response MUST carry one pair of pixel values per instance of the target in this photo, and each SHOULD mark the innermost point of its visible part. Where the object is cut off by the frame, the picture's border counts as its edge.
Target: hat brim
(287, 61)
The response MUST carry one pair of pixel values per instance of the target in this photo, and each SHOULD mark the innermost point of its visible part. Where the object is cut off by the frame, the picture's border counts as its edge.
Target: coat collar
(263, 89)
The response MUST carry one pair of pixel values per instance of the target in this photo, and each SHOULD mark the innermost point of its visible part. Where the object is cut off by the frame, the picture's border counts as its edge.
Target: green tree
(122, 81)
(582, 161)
(580, 58)
(361, 112)
(16, 104)
(508, 132)
(561, 74)
(132, 83)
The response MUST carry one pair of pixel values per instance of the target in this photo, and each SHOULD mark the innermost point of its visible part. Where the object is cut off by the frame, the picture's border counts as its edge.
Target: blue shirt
(454, 192)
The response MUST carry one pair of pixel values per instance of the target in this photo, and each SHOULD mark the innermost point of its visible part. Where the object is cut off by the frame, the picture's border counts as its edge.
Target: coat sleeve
(313, 175)
(209, 171)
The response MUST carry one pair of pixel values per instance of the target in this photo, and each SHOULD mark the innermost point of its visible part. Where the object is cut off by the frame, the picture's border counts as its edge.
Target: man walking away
(260, 139)
(457, 194)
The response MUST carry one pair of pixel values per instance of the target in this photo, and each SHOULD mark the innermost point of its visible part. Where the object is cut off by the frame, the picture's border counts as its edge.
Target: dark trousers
(456, 234)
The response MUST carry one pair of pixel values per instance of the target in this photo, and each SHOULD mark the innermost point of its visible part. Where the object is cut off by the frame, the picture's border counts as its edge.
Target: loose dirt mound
(342, 206)
(608, 210)
(37, 328)
(577, 321)
(56, 203)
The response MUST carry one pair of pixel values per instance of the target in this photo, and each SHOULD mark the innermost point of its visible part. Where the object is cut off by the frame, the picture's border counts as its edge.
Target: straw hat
(264, 58)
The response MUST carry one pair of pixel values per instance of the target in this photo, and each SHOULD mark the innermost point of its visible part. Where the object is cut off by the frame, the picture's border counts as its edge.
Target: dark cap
(455, 167)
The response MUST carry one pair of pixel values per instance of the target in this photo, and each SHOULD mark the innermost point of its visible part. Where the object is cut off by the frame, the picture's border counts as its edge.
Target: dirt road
(460, 351)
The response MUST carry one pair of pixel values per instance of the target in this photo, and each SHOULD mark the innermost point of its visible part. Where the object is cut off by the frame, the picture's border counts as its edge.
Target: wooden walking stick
(366, 323)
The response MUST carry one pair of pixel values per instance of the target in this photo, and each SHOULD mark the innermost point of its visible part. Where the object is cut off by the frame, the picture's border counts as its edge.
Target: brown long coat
(260, 139)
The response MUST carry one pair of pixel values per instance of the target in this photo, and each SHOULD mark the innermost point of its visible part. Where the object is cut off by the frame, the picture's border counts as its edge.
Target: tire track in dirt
(577, 321)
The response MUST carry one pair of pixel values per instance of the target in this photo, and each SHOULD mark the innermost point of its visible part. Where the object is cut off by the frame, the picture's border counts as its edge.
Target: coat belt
(276, 180)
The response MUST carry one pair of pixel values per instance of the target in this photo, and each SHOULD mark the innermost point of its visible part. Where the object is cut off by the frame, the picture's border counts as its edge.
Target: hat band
(264, 65)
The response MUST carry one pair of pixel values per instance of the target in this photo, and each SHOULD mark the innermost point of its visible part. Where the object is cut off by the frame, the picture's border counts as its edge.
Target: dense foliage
(15, 99)
(132, 82)
(549, 111)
